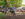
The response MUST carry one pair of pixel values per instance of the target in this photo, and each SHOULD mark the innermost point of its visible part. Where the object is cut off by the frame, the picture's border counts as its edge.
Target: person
(8, 9)
(13, 11)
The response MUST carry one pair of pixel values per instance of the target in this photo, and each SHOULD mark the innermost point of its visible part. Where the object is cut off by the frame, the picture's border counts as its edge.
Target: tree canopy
(16, 2)
(2, 2)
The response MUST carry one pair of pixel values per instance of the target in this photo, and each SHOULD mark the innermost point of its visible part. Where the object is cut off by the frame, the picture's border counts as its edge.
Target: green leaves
(11, 2)
(17, 2)
(2, 2)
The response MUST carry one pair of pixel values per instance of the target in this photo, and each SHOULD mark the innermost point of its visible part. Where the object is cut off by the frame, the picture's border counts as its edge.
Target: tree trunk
(6, 6)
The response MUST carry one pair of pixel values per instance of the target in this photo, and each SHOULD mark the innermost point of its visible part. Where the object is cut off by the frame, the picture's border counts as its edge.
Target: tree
(16, 2)
(6, 5)
(2, 2)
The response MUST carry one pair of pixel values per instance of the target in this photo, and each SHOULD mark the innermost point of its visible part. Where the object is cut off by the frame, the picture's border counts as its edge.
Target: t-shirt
(13, 9)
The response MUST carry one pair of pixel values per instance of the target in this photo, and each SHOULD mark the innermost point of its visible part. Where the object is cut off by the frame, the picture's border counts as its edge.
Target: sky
(23, 2)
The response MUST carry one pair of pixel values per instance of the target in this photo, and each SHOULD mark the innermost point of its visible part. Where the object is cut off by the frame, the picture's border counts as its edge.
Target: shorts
(13, 12)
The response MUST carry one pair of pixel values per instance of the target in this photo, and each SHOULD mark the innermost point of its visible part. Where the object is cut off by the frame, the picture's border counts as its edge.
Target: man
(13, 11)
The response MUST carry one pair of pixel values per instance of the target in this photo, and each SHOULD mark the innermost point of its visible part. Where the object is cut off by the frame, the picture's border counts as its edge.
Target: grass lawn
(2, 15)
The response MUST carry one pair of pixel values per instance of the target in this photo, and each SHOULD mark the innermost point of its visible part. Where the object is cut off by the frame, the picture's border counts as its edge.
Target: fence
(14, 17)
